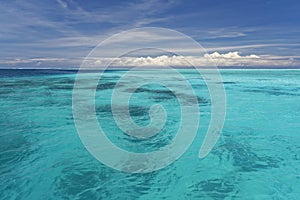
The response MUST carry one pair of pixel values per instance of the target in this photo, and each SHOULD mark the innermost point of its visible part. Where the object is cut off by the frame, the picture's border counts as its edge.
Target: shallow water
(257, 157)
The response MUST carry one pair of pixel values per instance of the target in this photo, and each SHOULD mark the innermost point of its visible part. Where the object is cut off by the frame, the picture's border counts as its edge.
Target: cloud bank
(207, 60)
(230, 59)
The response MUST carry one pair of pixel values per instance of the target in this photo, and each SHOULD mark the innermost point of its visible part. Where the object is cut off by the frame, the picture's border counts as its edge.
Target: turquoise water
(257, 156)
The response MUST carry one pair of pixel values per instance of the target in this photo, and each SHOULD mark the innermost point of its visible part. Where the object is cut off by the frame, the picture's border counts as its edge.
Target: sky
(61, 33)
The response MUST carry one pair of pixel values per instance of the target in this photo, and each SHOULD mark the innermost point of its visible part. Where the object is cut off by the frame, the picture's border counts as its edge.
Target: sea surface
(257, 156)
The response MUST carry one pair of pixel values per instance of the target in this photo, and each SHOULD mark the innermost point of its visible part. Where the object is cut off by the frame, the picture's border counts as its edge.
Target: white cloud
(213, 59)
(229, 55)
(207, 60)
(62, 3)
(229, 32)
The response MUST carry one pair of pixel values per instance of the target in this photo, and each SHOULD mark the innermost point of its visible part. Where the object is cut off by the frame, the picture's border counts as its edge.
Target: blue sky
(61, 33)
